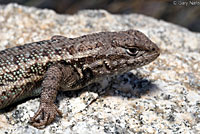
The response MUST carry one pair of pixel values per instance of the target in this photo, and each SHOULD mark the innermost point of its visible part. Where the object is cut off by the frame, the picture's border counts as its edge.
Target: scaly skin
(63, 63)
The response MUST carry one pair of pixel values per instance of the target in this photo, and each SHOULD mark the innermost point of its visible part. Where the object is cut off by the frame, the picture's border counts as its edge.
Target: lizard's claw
(45, 115)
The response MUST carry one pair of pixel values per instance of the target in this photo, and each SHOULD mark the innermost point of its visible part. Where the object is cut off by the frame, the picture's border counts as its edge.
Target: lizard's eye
(132, 51)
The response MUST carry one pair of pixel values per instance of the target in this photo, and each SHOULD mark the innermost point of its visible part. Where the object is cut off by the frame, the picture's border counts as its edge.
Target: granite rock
(162, 97)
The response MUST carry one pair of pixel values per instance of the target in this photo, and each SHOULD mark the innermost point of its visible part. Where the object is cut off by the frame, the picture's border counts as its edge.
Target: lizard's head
(128, 50)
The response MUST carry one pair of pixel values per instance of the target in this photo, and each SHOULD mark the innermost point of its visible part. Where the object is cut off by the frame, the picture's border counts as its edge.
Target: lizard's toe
(45, 115)
(41, 123)
(53, 114)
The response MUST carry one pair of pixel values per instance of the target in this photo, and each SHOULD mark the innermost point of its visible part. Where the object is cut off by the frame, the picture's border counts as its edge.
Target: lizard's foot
(45, 115)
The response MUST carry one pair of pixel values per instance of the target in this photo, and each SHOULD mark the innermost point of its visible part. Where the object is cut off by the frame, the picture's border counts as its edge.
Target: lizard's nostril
(155, 48)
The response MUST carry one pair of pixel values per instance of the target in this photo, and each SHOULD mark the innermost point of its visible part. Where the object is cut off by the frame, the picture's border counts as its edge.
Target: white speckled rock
(162, 97)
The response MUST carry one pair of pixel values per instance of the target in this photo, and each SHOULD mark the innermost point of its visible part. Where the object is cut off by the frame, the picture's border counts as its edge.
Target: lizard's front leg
(50, 86)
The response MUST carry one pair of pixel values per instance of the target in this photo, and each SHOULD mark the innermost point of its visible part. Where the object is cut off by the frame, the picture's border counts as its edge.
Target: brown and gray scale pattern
(90, 57)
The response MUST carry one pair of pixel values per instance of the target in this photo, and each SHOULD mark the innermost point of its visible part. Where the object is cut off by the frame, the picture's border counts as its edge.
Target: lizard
(62, 64)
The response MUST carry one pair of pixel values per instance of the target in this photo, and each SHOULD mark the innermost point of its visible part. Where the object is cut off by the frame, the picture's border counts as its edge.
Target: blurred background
(180, 12)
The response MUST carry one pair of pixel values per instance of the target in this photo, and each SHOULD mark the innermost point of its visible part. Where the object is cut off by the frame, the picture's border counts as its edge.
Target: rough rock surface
(162, 97)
